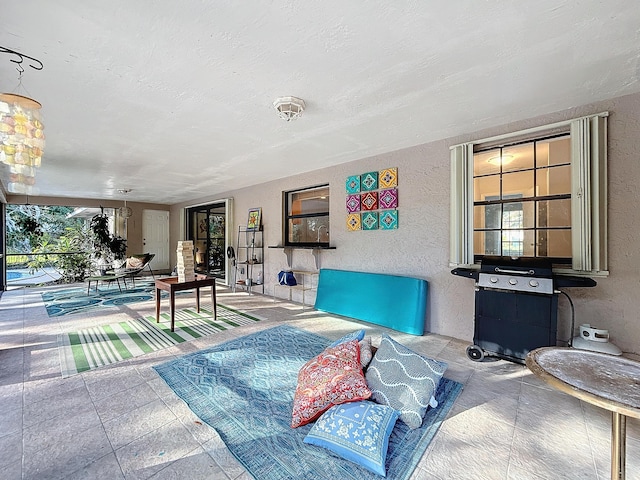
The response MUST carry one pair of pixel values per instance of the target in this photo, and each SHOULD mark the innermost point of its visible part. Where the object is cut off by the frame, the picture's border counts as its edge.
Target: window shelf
(315, 251)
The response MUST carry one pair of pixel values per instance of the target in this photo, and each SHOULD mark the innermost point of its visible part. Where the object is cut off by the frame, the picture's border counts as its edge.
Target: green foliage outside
(72, 257)
(29, 225)
(16, 261)
(45, 236)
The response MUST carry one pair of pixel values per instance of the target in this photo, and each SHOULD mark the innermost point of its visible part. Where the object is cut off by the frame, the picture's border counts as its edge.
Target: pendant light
(21, 132)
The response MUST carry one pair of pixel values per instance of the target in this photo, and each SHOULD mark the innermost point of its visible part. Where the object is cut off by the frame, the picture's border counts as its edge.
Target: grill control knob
(513, 281)
(534, 283)
(493, 279)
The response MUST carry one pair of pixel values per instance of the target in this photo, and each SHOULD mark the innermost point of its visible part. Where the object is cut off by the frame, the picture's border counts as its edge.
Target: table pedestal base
(618, 445)
(608, 381)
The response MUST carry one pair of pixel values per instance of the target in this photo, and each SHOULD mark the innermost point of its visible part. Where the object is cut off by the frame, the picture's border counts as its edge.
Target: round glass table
(607, 381)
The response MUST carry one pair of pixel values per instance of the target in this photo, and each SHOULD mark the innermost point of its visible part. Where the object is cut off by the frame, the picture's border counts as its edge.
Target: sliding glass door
(208, 228)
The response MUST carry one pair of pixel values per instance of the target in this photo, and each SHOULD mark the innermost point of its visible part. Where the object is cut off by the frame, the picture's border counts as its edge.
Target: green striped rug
(98, 346)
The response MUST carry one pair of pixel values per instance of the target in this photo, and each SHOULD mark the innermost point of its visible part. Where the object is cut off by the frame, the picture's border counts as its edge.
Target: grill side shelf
(570, 281)
(466, 272)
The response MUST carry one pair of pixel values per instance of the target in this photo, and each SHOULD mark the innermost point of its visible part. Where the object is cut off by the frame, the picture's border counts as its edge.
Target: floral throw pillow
(356, 431)
(404, 380)
(333, 377)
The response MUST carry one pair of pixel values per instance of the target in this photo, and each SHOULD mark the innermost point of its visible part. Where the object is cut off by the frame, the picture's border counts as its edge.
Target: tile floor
(123, 422)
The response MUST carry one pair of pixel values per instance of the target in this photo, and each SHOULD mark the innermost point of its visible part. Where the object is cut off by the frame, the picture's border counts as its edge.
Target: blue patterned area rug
(76, 300)
(244, 389)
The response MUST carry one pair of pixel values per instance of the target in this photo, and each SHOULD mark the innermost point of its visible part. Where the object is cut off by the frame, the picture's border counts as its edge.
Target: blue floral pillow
(357, 335)
(356, 431)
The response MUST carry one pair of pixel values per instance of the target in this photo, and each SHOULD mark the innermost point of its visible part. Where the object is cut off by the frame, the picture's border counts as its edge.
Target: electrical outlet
(241, 270)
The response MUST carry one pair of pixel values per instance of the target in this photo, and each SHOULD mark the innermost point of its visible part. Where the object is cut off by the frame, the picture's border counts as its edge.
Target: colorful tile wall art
(353, 203)
(369, 181)
(388, 198)
(370, 221)
(388, 178)
(353, 222)
(353, 184)
(389, 220)
(372, 200)
(369, 201)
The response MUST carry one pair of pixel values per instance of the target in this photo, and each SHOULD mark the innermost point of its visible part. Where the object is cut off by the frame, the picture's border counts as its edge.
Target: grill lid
(530, 267)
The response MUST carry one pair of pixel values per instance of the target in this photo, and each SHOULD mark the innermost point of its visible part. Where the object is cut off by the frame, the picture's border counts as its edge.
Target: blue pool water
(15, 275)
(23, 276)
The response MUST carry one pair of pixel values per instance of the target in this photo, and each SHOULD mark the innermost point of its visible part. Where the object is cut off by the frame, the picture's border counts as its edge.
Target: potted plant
(106, 247)
(118, 247)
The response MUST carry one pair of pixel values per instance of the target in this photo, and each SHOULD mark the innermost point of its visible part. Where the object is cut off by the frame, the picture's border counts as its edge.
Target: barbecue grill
(516, 306)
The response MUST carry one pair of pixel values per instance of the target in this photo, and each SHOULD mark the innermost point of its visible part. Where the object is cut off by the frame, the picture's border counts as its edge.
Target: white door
(155, 237)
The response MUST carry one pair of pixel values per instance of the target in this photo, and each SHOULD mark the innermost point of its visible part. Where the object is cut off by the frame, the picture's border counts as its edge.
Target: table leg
(198, 299)
(172, 302)
(157, 305)
(618, 446)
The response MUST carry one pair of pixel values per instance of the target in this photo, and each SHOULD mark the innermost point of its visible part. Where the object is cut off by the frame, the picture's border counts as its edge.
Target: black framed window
(522, 200)
(306, 217)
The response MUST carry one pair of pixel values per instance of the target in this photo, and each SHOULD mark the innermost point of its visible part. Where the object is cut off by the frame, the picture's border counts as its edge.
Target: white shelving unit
(306, 281)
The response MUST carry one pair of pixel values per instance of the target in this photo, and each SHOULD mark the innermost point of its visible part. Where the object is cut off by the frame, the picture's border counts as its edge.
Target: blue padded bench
(392, 301)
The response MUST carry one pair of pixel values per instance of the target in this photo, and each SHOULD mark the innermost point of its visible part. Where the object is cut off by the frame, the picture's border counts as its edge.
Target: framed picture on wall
(255, 217)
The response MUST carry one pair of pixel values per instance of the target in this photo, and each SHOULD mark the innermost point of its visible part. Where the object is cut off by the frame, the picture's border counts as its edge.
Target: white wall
(420, 247)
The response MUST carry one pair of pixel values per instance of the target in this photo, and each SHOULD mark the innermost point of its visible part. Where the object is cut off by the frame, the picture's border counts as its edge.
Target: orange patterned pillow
(333, 377)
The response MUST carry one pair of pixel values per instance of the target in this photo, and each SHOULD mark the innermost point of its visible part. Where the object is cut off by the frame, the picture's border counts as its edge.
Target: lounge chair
(135, 264)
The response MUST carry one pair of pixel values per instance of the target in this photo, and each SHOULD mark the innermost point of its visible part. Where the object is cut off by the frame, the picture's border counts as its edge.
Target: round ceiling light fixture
(501, 160)
(289, 108)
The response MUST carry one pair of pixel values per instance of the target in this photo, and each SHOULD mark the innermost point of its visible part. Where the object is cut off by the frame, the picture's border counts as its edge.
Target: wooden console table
(604, 380)
(171, 285)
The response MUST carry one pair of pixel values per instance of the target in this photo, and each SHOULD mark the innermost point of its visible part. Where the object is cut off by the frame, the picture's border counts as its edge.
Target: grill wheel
(475, 353)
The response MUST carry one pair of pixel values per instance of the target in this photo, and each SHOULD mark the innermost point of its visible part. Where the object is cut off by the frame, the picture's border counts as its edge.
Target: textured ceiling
(173, 99)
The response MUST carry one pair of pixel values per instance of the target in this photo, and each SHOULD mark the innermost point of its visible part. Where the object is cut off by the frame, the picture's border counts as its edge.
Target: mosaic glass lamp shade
(21, 141)
(126, 212)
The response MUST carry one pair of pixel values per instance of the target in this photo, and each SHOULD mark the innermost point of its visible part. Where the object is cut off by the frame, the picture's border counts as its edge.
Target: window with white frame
(534, 193)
